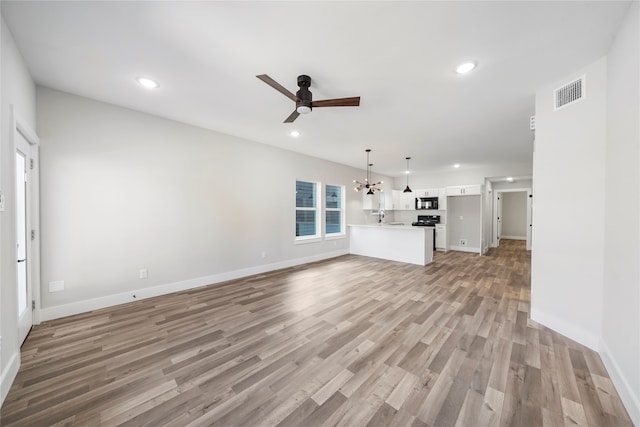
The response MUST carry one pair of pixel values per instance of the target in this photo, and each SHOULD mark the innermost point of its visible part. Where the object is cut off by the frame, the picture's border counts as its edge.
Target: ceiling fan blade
(292, 117)
(277, 86)
(338, 102)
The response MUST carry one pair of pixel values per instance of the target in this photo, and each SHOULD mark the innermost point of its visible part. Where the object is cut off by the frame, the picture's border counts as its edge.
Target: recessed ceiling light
(465, 67)
(295, 133)
(147, 83)
(510, 179)
(457, 165)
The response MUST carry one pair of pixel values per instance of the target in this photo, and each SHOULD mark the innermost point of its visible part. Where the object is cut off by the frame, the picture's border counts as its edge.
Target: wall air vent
(570, 93)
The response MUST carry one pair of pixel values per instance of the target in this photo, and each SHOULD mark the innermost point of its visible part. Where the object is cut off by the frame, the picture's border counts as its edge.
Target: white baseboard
(465, 249)
(58, 311)
(513, 237)
(568, 330)
(630, 400)
(9, 375)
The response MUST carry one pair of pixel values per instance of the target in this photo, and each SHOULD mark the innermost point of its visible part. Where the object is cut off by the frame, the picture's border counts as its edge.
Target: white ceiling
(398, 56)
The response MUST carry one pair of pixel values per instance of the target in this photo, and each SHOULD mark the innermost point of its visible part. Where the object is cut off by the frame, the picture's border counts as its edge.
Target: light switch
(2, 202)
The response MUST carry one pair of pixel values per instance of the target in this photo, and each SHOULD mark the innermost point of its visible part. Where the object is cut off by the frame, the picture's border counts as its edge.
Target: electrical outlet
(143, 273)
(56, 286)
(463, 242)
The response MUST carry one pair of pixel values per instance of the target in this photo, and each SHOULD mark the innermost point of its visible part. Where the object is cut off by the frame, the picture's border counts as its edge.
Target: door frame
(20, 126)
(496, 193)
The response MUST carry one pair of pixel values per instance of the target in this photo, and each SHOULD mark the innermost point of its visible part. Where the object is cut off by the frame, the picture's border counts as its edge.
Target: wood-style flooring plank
(351, 341)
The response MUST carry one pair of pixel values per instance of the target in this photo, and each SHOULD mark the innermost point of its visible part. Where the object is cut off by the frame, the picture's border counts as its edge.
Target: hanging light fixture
(367, 181)
(407, 190)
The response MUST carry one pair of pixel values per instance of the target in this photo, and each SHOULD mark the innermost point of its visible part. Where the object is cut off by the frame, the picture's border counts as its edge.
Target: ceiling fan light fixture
(303, 109)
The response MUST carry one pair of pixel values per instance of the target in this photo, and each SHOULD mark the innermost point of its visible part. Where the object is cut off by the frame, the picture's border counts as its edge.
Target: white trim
(20, 126)
(513, 237)
(335, 236)
(565, 328)
(55, 312)
(630, 400)
(9, 375)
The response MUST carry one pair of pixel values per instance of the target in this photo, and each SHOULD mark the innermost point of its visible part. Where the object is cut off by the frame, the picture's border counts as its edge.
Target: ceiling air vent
(569, 93)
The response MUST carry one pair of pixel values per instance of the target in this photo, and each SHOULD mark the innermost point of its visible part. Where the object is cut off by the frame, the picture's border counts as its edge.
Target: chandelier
(367, 181)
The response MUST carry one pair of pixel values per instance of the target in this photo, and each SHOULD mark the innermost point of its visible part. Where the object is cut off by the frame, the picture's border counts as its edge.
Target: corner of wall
(9, 375)
(630, 399)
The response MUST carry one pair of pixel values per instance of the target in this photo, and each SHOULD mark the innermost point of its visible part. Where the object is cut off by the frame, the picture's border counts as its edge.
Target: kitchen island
(402, 243)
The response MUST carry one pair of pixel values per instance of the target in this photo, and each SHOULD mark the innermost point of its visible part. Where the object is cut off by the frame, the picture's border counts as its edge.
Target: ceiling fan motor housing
(304, 94)
(304, 81)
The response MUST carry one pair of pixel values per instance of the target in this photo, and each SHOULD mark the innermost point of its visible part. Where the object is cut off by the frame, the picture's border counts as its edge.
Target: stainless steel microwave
(426, 203)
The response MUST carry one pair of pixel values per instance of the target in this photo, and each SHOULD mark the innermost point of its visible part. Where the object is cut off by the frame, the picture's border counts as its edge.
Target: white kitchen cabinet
(395, 199)
(387, 201)
(442, 199)
(464, 190)
(441, 237)
(429, 192)
(378, 200)
(370, 201)
(407, 201)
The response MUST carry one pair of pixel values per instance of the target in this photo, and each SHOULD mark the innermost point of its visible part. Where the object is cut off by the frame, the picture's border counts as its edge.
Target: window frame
(317, 209)
(341, 210)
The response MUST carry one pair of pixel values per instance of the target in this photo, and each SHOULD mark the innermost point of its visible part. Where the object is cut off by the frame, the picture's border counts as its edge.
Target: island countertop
(404, 243)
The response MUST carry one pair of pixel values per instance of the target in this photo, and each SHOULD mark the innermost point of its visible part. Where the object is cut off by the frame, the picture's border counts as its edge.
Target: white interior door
(23, 276)
(529, 218)
(498, 218)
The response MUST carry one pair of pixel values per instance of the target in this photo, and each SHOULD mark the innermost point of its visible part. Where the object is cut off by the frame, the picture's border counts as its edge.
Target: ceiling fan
(303, 97)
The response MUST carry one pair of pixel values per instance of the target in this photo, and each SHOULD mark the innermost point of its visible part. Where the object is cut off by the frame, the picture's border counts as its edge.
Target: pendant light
(407, 190)
(367, 181)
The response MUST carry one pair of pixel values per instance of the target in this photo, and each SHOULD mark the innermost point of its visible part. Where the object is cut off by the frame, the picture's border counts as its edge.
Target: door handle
(22, 260)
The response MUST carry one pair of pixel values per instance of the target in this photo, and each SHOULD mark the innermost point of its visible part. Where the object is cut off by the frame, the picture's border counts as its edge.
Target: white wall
(18, 89)
(515, 185)
(464, 222)
(123, 190)
(621, 299)
(568, 234)
(514, 215)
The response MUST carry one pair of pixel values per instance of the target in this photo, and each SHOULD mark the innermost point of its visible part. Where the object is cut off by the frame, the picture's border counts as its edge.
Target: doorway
(512, 215)
(26, 218)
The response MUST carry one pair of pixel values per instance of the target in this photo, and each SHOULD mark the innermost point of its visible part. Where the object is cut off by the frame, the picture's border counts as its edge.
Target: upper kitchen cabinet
(401, 201)
(370, 201)
(378, 200)
(406, 201)
(442, 199)
(464, 190)
(429, 192)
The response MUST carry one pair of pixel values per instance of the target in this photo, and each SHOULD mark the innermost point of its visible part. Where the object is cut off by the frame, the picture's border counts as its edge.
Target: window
(307, 207)
(334, 213)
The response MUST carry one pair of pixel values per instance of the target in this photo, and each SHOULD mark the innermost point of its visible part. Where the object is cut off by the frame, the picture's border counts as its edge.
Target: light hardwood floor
(349, 341)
